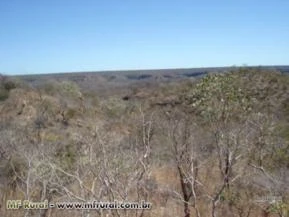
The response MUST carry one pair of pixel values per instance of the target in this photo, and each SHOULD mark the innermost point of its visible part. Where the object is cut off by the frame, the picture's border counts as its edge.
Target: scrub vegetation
(216, 145)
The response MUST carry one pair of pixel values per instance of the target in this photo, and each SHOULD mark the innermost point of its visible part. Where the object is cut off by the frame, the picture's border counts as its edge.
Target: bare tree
(106, 168)
(181, 131)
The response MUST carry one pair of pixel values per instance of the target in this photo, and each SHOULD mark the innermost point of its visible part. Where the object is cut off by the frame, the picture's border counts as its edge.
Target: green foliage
(64, 88)
(280, 157)
(234, 95)
(66, 156)
(219, 97)
(116, 107)
(49, 87)
(70, 113)
(6, 84)
(70, 89)
(231, 196)
(280, 208)
(4, 94)
(9, 85)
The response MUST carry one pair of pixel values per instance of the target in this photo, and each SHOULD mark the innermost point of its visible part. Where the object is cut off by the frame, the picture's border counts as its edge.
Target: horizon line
(141, 69)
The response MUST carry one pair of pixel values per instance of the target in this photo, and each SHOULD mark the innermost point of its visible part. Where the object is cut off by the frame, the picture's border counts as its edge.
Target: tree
(181, 132)
(104, 170)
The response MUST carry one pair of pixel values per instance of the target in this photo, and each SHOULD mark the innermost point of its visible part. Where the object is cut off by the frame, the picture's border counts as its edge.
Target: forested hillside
(214, 146)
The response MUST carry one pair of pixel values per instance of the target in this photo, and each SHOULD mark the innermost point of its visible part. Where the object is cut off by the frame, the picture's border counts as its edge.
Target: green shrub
(67, 156)
(4, 94)
(70, 113)
(64, 88)
(6, 84)
(9, 85)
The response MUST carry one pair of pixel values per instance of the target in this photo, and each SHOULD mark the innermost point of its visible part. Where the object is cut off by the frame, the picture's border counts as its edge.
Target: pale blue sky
(85, 35)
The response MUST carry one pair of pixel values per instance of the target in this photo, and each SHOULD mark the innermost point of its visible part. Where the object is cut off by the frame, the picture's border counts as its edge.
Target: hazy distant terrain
(103, 80)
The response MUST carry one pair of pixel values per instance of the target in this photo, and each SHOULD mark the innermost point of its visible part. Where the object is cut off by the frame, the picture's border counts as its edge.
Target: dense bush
(4, 94)
(6, 84)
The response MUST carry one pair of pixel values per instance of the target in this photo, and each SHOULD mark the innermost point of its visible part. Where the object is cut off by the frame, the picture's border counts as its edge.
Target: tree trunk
(187, 192)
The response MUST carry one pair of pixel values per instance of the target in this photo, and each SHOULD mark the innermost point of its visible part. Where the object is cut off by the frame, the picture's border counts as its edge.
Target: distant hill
(103, 80)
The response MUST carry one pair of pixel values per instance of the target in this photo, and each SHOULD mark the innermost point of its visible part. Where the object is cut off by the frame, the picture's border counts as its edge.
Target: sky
(93, 35)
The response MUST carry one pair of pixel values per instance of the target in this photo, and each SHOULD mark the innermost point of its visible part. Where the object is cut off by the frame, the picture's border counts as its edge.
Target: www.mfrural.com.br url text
(99, 205)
